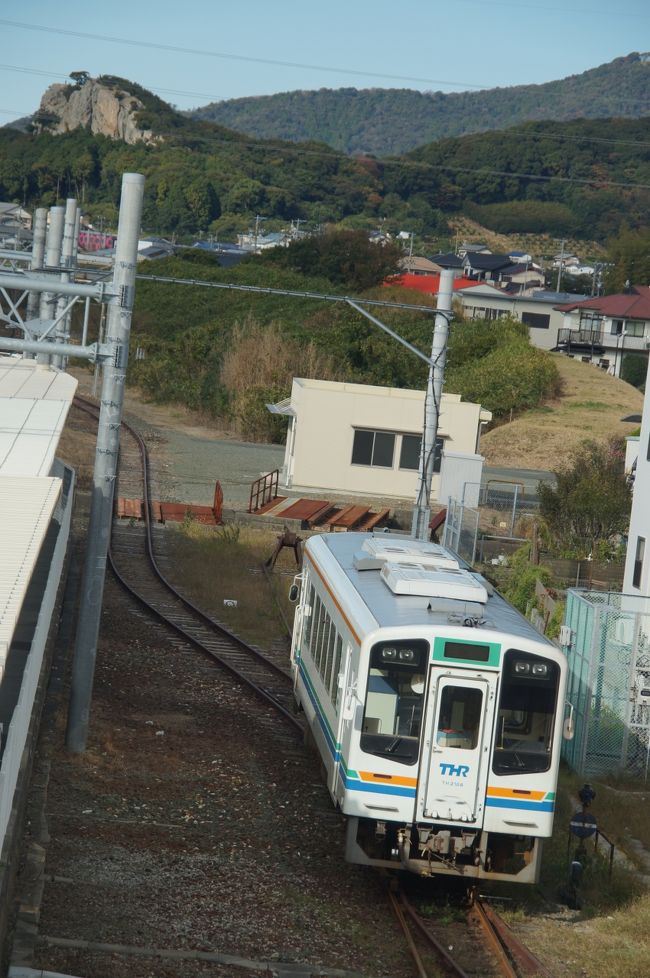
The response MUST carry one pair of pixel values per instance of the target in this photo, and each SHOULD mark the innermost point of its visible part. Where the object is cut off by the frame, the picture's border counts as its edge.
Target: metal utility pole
(66, 261)
(422, 510)
(52, 259)
(106, 458)
(39, 229)
(561, 268)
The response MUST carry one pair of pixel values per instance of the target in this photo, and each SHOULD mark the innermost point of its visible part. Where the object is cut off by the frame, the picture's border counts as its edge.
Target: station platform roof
(26, 508)
(34, 403)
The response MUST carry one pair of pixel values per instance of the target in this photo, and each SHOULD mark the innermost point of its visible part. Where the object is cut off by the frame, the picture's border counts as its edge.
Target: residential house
(256, 242)
(355, 439)
(416, 265)
(602, 329)
(446, 260)
(13, 216)
(487, 268)
(537, 308)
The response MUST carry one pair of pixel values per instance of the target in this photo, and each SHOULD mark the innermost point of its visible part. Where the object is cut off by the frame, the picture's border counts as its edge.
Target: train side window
(527, 708)
(334, 687)
(327, 671)
(316, 627)
(309, 619)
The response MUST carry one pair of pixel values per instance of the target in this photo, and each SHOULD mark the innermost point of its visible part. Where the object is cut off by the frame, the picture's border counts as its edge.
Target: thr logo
(454, 770)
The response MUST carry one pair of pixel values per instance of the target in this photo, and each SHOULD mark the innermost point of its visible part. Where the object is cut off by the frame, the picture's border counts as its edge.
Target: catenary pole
(422, 509)
(112, 396)
(52, 258)
(66, 261)
(39, 229)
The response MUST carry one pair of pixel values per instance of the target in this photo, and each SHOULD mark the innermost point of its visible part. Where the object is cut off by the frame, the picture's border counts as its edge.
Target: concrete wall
(321, 434)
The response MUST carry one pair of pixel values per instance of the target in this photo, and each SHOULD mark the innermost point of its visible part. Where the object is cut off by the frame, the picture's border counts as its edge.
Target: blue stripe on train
(530, 806)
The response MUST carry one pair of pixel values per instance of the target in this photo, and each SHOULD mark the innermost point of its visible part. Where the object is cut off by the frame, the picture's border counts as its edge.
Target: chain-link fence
(488, 514)
(607, 642)
(461, 530)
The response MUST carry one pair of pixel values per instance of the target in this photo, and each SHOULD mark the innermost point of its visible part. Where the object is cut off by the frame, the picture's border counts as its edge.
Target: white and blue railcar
(436, 707)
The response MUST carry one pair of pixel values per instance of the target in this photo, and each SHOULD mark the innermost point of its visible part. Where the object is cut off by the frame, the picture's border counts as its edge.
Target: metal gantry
(51, 289)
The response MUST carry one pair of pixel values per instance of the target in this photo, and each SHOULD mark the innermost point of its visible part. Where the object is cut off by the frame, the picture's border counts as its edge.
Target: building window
(635, 329)
(373, 448)
(536, 320)
(638, 562)
(617, 327)
(409, 454)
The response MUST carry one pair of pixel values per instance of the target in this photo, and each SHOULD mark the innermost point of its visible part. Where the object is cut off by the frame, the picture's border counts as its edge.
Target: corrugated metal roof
(26, 507)
(34, 403)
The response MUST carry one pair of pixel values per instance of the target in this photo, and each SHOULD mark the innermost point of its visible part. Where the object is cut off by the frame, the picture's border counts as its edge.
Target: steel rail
(450, 963)
(496, 945)
(526, 962)
(415, 954)
(91, 409)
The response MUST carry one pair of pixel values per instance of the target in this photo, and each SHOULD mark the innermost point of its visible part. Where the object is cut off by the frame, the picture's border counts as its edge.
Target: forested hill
(392, 121)
(586, 178)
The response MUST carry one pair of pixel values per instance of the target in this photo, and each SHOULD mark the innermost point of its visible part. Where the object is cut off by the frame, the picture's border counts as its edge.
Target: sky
(191, 52)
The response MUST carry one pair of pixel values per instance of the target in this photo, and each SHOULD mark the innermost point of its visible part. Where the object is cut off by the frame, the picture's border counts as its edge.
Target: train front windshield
(392, 715)
(527, 710)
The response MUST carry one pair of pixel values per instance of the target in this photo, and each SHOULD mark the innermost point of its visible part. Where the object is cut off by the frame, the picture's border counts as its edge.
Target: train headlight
(406, 655)
(522, 668)
(540, 669)
(389, 654)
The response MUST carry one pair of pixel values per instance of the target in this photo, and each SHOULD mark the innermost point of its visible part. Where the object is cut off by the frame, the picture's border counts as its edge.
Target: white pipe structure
(422, 510)
(52, 258)
(39, 229)
(118, 331)
(66, 262)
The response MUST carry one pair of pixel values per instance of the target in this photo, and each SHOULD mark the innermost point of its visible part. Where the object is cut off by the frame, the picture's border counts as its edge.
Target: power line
(60, 74)
(295, 149)
(177, 49)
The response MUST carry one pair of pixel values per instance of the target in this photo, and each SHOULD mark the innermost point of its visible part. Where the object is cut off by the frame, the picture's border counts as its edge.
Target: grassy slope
(591, 406)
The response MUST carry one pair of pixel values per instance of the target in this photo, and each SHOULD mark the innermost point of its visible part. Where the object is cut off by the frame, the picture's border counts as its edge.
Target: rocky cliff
(103, 109)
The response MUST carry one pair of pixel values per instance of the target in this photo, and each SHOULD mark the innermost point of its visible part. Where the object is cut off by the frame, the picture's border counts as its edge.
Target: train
(437, 709)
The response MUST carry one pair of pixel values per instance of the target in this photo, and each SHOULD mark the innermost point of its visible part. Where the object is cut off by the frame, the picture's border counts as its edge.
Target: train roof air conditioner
(430, 582)
(375, 552)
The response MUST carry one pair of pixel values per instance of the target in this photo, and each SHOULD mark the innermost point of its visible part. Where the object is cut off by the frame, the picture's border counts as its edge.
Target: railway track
(482, 946)
(133, 559)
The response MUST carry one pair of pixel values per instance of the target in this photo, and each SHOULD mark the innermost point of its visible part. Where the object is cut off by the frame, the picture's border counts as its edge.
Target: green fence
(607, 642)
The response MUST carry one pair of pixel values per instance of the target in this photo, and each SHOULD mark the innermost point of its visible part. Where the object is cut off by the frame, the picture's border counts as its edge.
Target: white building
(354, 439)
(536, 308)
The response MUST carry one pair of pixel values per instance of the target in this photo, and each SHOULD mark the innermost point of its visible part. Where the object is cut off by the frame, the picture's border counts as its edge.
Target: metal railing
(264, 490)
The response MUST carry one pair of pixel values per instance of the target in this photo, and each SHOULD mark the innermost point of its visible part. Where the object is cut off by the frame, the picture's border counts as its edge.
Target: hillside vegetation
(392, 121)
(584, 179)
(230, 353)
(590, 405)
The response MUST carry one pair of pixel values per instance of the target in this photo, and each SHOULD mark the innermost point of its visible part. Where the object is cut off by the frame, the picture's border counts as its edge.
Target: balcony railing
(580, 337)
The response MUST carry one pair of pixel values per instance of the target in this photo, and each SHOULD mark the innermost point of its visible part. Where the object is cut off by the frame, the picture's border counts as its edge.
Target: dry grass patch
(217, 564)
(591, 406)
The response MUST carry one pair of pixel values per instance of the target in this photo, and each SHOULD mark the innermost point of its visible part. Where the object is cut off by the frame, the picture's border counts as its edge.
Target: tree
(80, 77)
(591, 500)
(346, 258)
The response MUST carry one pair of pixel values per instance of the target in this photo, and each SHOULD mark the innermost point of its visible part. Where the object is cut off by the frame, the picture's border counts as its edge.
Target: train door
(456, 752)
(346, 703)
